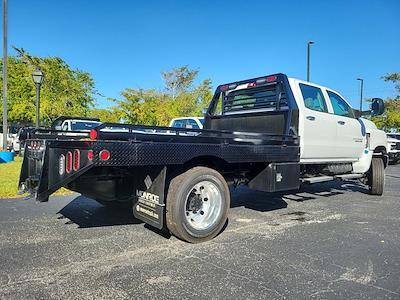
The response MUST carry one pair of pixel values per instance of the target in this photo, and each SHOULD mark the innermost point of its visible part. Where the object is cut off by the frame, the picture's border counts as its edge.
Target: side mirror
(357, 113)
(58, 127)
(377, 107)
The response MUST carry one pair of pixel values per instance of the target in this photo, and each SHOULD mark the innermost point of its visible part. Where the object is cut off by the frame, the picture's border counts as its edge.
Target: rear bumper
(40, 173)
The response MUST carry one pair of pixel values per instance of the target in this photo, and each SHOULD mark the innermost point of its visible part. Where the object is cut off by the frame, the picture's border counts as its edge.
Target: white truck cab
(331, 131)
(187, 122)
(78, 125)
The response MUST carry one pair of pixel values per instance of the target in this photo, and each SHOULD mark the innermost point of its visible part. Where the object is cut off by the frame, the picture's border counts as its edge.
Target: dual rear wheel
(197, 204)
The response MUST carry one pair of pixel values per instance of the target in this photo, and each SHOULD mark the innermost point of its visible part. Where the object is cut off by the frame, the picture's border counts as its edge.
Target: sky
(126, 44)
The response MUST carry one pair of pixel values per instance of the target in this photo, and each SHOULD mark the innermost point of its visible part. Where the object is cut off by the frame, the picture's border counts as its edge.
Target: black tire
(179, 191)
(376, 176)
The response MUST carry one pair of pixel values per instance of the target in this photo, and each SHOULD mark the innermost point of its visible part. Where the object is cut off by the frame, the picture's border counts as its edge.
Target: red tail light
(104, 155)
(77, 159)
(223, 88)
(93, 134)
(251, 84)
(90, 155)
(271, 78)
(68, 165)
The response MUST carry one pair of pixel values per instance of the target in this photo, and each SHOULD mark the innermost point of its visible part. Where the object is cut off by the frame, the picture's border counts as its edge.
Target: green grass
(9, 177)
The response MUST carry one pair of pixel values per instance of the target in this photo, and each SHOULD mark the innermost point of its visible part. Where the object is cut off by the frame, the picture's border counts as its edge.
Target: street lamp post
(308, 58)
(361, 91)
(38, 77)
(5, 125)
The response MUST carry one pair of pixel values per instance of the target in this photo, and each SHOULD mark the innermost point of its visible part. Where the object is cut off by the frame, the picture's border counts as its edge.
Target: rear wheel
(376, 176)
(197, 204)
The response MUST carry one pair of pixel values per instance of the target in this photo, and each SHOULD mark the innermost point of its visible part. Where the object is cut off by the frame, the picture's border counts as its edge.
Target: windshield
(394, 136)
(201, 120)
(11, 130)
(81, 125)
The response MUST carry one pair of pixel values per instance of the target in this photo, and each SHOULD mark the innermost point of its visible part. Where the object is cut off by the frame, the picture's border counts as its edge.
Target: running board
(349, 176)
(329, 178)
(317, 179)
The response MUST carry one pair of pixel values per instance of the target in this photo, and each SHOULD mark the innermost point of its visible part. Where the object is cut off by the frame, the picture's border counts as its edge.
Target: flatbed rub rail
(139, 133)
(47, 133)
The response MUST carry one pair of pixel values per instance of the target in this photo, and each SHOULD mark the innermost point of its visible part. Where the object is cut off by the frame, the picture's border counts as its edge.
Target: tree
(106, 114)
(179, 79)
(391, 119)
(395, 78)
(180, 98)
(65, 91)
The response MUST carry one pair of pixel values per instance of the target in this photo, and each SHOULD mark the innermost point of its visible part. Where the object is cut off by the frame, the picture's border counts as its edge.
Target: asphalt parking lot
(328, 241)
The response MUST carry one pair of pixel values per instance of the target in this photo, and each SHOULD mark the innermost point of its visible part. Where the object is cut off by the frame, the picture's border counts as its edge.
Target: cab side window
(179, 123)
(192, 124)
(340, 107)
(313, 98)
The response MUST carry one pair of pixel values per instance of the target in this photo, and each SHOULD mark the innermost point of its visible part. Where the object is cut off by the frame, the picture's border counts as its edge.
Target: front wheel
(376, 176)
(197, 204)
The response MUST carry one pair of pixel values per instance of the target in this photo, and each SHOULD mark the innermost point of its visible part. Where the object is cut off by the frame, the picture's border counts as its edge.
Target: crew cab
(272, 133)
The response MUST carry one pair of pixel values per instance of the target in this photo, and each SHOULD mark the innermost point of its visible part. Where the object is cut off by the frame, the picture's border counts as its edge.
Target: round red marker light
(93, 134)
(90, 155)
(104, 155)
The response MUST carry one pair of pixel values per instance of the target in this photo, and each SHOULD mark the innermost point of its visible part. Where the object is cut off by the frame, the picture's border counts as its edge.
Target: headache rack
(267, 96)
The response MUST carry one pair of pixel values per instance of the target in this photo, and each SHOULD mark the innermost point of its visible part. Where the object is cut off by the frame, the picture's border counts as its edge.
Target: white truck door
(349, 131)
(317, 125)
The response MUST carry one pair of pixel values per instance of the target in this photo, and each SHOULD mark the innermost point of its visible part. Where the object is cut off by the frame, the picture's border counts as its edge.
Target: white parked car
(187, 122)
(75, 124)
(12, 139)
(393, 147)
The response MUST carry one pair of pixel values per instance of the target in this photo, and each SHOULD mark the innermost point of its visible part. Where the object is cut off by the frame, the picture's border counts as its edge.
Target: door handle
(311, 118)
(341, 122)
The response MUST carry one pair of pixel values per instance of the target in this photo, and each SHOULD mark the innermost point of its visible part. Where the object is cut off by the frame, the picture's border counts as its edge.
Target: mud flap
(149, 195)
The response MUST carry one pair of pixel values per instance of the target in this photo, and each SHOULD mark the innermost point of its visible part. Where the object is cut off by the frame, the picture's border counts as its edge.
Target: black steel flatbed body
(40, 171)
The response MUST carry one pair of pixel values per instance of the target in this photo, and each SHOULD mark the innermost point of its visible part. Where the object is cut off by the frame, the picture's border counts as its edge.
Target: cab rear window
(264, 97)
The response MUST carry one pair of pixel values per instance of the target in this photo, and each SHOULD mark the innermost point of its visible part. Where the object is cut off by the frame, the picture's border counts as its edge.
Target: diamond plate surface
(140, 154)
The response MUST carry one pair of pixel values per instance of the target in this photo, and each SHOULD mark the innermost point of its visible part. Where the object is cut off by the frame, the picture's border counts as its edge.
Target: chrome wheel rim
(203, 205)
